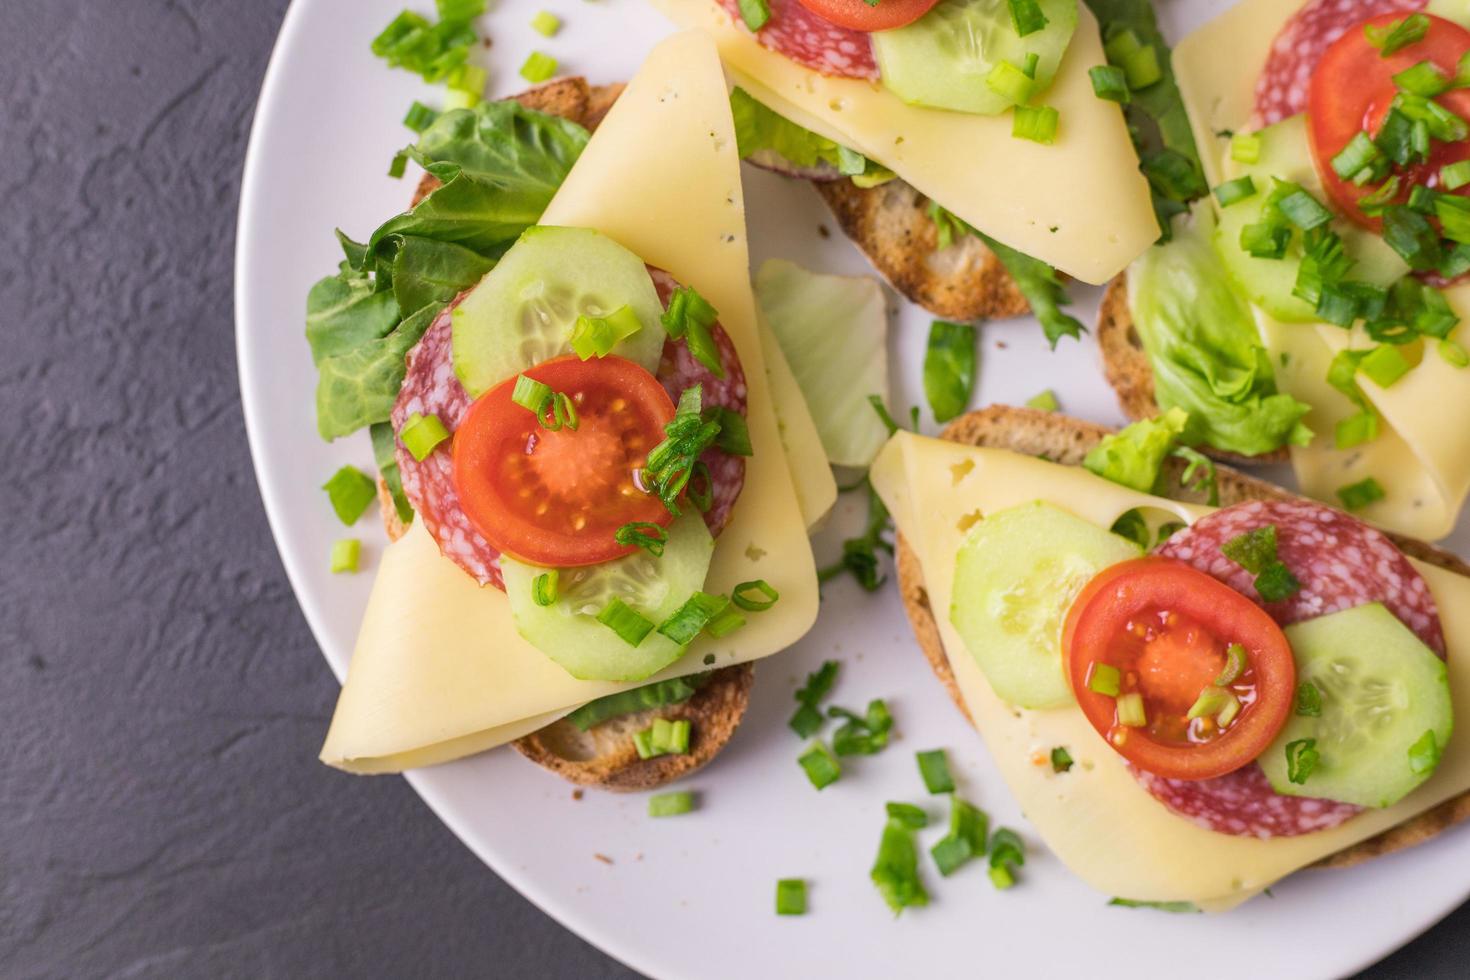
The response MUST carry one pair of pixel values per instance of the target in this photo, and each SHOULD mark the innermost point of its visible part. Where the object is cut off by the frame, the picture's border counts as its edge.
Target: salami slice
(812, 41)
(1341, 562)
(1281, 89)
(430, 387)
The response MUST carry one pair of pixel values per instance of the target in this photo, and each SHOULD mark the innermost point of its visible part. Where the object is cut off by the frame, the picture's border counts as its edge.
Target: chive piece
(676, 690)
(1277, 584)
(734, 437)
(670, 736)
(538, 67)
(1360, 152)
(1001, 877)
(1264, 240)
(1046, 401)
(1454, 355)
(1308, 700)
(1384, 365)
(1253, 550)
(968, 829)
(625, 621)
(1215, 702)
(1007, 853)
(808, 717)
(1061, 760)
(1035, 123)
(1104, 679)
(1177, 908)
(1131, 711)
(670, 804)
(1142, 68)
(398, 165)
(596, 336)
(1235, 191)
(469, 80)
(764, 599)
(1453, 213)
(689, 317)
(862, 734)
(895, 870)
(1245, 147)
(1392, 37)
(421, 433)
(821, 766)
(949, 368)
(725, 623)
(1033, 62)
(692, 617)
(641, 534)
(791, 896)
(1010, 83)
(345, 555)
(907, 814)
(351, 492)
(1026, 16)
(544, 587)
(1424, 754)
(755, 13)
(546, 23)
(1423, 79)
(1236, 661)
(934, 770)
(531, 394)
(643, 742)
(1109, 82)
(420, 117)
(1455, 175)
(1303, 210)
(1302, 759)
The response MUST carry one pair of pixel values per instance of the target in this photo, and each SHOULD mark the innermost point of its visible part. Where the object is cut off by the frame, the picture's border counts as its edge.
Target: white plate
(693, 896)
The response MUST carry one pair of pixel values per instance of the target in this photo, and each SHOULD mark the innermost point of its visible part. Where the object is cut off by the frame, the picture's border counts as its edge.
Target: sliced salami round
(1281, 89)
(812, 41)
(430, 387)
(1243, 803)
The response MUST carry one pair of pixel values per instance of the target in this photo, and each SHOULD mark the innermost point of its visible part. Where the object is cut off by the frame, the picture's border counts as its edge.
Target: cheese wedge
(816, 487)
(439, 671)
(1097, 819)
(1080, 204)
(1422, 463)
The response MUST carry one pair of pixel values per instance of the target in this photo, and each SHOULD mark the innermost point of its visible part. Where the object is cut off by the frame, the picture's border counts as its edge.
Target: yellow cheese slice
(816, 487)
(1096, 818)
(1080, 204)
(439, 670)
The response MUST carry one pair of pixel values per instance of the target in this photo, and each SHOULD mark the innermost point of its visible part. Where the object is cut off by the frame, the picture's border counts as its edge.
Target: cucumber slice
(1016, 576)
(568, 632)
(943, 58)
(1381, 689)
(523, 311)
(1286, 154)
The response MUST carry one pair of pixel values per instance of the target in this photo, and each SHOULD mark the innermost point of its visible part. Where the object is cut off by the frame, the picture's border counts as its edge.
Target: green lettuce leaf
(358, 387)
(1204, 348)
(1134, 456)
(387, 463)
(760, 131)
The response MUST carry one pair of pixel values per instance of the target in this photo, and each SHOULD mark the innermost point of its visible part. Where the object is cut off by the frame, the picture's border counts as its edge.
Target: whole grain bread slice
(1067, 440)
(604, 756)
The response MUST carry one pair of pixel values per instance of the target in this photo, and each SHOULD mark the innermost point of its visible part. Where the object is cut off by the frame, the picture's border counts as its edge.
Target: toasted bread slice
(890, 224)
(1125, 365)
(1067, 440)
(604, 755)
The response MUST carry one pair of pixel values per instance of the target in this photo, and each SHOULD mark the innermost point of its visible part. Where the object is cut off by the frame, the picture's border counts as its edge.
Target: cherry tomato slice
(1165, 628)
(557, 497)
(860, 16)
(1351, 91)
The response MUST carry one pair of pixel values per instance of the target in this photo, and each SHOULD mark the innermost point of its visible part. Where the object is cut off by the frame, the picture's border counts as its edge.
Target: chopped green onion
(625, 621)
(398, 165)
(1227, 714)
(538, 67)
(1215, 702)
(675, 690)
(469, 80)
(791, 896)
(1007, 853)
(949, 368)
(345, 554)
(1253, 550)
(1454, 355)
(546, 23)
(420, 117)
(1109, 82)
(821, 766)
(1265, 240)
(1035, 123)
(1390, 38)
(565, 411)
(1455, 175)
(1360, 152)
(351, 492)
(808, 717)
(670, 804)
(531, 394)
(544, 587)
(642, 534)
(1046, 401)
(1424, 754)
(1234, 191)
(1356, 430)
(1010, 83)
(755, 13)
(725, 623)
(1142, 68)
(421, 433)
(459, 10)
(1277, 583)
(895, 871)
(671, 735)
(1302, 759)
(1384, 365)
(908, 815)
(968, 829)
(693, 616)
(1236, 660)
(1454, 217)
(1131, 711)
(1001, 877)
(1423, 79)
(1033, 62)
(643, 742)
(596, 336)
(1303, 210)
(1374, 203)
(1308, 700)
(1061, 760)
(862, 734)
(689, 316)
(1026, 16)
(734, 437)
(1245, 147)
(1178, 908)
(934, 769)
(764, 595)
(1105, 679)
(700, 488)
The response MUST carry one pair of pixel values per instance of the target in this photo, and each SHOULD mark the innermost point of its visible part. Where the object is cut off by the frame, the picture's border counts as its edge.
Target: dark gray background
(162, 809)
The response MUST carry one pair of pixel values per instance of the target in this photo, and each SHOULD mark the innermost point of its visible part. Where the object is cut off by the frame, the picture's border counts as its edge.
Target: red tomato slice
(557, 498)
(1351, 91)
(1165, 628)
(858, 15)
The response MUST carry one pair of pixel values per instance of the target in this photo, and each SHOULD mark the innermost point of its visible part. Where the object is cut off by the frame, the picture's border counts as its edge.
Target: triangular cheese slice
(1096, 818)
(1079, 204)
(439, 671)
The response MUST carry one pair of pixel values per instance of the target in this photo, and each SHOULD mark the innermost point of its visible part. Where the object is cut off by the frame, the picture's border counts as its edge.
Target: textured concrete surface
(161, 810)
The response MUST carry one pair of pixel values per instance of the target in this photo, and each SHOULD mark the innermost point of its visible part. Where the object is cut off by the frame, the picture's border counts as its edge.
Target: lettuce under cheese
(761, 133)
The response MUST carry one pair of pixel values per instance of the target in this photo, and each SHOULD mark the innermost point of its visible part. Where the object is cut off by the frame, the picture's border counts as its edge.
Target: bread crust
(1067, 440)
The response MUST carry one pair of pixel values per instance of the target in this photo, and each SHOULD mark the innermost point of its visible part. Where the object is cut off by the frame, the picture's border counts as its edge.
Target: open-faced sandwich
(1314, 305)
(1191, 692)
(598, 524)
(972, 148)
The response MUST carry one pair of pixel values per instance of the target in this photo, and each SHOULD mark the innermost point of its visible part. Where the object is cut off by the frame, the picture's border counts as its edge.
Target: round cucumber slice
(1016, 576)
(1287, 155)
(944, 58)
(568, 632)
(523, 311)
(1382, 692)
